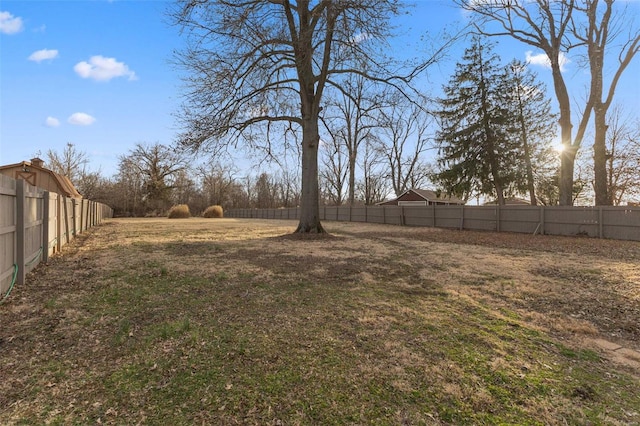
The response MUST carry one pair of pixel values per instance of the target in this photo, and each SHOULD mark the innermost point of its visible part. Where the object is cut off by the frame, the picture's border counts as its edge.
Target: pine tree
(477, 148)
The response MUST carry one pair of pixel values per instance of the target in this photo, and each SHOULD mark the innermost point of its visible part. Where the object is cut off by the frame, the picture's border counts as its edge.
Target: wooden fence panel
(571, 221)
(418, 216)
(479, 218)
(519, 218)
(604, 222)
(52, 226)
(621, 224)
(393, 215)
(8, 267)
(358, 214)
(448, 217)
(343, 213)
(35, 224)
(33, 227)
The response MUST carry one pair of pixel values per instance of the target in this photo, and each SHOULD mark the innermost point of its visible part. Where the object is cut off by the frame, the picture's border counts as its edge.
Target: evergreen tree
(478, 153)
(496, 129)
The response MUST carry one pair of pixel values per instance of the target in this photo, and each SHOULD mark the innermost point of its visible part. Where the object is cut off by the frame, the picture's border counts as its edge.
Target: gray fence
(620, 223)
(34, 224)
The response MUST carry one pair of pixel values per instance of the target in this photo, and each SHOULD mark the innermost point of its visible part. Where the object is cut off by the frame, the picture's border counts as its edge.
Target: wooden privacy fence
(35, 223)
(619, 223)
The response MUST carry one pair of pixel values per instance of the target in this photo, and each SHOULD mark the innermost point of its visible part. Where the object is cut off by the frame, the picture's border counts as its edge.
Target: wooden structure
(35, 224)
(35, 174)
(422, 197)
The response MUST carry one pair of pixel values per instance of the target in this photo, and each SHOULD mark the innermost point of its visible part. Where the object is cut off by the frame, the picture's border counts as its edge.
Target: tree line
(308, 87)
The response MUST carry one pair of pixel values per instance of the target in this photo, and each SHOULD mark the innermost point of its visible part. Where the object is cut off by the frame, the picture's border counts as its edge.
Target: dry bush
(181, 211)
(213, 211)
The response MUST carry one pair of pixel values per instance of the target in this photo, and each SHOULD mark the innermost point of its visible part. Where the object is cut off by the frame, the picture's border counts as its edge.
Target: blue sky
(93, 73)
(97, 73)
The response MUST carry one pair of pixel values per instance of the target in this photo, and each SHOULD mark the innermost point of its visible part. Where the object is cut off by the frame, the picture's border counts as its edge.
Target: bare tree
(159, 167)
(402, 141)
(623, 158)
(70, 163)
(350, 121)
(184, 189)
(260, 69)
(598, 32)
(127, 191)
(217, 183)
(373, 186)
(535, 124)
(335, 168)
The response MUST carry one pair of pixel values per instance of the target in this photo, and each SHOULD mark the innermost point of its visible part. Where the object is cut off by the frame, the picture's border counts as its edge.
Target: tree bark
(310, 199)
(567, 162)
(600, 184)
(352, 176)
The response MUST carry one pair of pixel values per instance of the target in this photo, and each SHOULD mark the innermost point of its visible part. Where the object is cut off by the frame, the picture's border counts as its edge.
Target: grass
(269, 331)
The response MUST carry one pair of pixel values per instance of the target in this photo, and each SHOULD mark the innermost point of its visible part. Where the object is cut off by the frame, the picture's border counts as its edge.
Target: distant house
(512, 201)
(422, 197)
(34, 173)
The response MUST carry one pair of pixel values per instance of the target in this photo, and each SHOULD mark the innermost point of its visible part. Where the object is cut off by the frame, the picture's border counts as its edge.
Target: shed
(34, 173)
(422, 197)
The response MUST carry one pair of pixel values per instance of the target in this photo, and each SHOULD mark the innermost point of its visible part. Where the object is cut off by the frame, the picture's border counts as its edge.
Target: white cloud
(542, 60)
(81, 119)
(43, 54)
(100, 68)
(10, 24)
(52, 122)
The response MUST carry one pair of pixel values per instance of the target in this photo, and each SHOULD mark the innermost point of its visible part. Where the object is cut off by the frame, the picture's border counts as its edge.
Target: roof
(511, 201)
(64, 184)
(432, 197)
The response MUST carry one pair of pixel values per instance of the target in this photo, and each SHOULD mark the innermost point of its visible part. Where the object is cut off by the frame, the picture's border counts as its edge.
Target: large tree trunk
(569, 151)
(567, 157)
(352, 177)
(600, 158)
(310, 199)
(567, 162)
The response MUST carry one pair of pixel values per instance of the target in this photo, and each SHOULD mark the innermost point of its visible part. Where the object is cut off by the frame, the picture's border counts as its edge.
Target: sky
(98, 73)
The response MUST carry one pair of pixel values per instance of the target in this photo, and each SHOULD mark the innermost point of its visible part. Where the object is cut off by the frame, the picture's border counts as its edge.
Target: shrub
(181, 211)
(213, 211)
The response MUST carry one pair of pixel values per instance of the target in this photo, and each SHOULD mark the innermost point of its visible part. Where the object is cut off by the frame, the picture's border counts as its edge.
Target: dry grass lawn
(232, 321)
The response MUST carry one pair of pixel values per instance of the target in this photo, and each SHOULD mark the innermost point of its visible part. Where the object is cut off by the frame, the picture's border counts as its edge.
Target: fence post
(402, 215)
(497, 217)
(67, 227)
(81, 216)
(433, 217)
(20, 202)
(461, 217)
(59, 222)
(45, 227)
(542, 214)
(600, 225)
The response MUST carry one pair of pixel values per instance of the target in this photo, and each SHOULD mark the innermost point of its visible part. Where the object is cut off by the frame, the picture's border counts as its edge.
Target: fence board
(7, 231)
